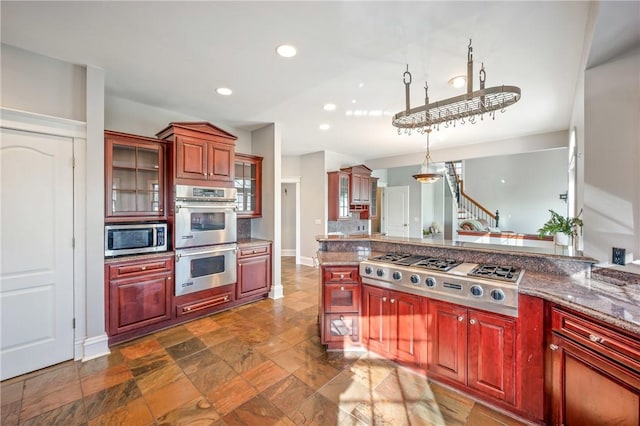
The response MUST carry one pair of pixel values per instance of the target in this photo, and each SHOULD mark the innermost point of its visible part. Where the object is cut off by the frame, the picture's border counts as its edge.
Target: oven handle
(206, 206)
(230, 248)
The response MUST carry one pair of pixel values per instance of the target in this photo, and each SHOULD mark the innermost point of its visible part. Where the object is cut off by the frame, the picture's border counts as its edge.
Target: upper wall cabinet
(201, 152)
(360, 184)
(338, 203)
(135, 182)
(248, 182)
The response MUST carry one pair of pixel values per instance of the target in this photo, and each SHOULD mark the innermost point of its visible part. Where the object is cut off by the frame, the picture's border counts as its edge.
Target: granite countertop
(146, 256)
(459, 245)
(246, 242)
(618, 305)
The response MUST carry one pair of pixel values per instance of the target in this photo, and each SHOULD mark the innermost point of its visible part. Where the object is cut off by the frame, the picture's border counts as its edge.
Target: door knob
(553, 347)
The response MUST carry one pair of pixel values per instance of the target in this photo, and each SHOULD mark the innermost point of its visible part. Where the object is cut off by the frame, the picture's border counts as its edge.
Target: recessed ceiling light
(286, 51)
(329, 107)
(360, 85)
(324, 126)
(375, 113)
(353, 101)
(348, 112)
(224, 91)
(458, 81)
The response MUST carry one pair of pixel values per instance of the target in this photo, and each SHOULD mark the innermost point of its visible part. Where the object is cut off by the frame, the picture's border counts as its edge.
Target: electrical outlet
(618, 256)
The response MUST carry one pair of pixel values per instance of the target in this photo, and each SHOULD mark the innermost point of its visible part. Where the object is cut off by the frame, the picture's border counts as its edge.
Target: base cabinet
(391, 324)
(138, 295)
(595, 373)
(474, 348)
(254, 271)
(340, 307)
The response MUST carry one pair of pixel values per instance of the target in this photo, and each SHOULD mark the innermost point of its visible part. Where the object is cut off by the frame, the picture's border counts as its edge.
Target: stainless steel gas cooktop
(489, 287)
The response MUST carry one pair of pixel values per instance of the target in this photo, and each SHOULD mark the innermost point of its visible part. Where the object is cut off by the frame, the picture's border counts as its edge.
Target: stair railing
(474, 208)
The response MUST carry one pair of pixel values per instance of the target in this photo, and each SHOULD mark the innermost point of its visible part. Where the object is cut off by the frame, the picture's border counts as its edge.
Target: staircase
(468, 208)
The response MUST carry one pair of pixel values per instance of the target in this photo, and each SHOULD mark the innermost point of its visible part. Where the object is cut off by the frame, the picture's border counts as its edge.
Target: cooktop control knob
(431, 282)
(476, 290)
(497, 295)
(397, 276)
(368, 270)
(380, 272)
(415, 279)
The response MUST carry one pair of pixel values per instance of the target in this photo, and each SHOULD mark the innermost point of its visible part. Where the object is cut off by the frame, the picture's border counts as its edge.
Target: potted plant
(562, 228)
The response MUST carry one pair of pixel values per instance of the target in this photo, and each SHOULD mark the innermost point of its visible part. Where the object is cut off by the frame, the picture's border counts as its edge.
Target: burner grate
(504, 273)
(437, 264)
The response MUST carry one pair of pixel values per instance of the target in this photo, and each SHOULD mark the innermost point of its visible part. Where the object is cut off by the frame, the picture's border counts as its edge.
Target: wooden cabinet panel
(339, 196)
(201, 152)
(447, 340)
(377, 321)
(139, 294)
(594, 372)
(135, 181)
(392, 324)
(492, 340)
(339, 301)
(589, 389)
(191, 158)
(341, 329)
(254, 276)
(254, 270)
(342, 297)
(248, 183)
(407, 327)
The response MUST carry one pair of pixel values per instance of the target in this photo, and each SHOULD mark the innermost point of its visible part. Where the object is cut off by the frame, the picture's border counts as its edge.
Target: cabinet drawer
(604, 341)
(200, 305)
(340, 275)
(341, 328)
(134, 268)
(342, 297)
(253, 251)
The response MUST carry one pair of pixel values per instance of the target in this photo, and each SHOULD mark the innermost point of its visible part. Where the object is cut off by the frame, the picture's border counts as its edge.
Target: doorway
(290, 218)
(396, 211)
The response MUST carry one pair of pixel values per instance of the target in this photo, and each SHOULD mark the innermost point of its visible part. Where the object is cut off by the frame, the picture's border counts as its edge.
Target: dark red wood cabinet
(254, 271)
(135, 178)
(474, 348)
(138, 297)
(392, 324)
(595, 372)
(200, 153)
(340, 306)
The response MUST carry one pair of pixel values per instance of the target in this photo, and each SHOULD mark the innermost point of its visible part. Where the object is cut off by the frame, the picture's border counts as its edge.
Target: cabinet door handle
(341, 288)
(144, 268)
(461, 318)
(553, 347)
(393, 300)
(472, 321)
(204, 173)
(596, 339)
(341, 317)
(384, 299)
(341, 276)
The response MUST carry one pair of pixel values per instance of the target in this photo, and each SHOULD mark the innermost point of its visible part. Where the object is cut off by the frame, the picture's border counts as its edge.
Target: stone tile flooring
(259, 364)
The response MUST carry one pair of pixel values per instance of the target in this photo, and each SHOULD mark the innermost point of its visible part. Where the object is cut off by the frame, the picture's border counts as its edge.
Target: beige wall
(36, 83)
(612, 157)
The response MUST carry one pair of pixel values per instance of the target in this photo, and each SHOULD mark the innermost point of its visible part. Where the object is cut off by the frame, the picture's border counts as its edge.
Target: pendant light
(428, 172)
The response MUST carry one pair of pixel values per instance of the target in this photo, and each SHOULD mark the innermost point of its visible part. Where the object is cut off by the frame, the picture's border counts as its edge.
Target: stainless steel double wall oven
(205, 238)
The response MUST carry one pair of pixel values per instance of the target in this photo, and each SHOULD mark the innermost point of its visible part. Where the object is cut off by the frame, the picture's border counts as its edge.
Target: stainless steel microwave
(135, 238)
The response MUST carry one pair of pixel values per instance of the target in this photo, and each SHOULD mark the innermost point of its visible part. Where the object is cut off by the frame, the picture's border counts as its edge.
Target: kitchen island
(571, 356)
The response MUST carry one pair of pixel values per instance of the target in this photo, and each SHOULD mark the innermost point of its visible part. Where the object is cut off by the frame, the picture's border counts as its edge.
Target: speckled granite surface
(247, 242)
(618, 305)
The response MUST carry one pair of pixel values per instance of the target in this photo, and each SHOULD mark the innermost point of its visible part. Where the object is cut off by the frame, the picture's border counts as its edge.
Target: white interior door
(396, 211)
(36, 257)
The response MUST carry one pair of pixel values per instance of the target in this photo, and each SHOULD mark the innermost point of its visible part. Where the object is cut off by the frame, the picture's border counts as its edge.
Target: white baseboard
(95, 347)
(288, 252)
(276, 292)
(308, 261)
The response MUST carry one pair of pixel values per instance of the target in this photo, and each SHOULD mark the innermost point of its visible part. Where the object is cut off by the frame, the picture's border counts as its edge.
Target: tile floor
(260, 364)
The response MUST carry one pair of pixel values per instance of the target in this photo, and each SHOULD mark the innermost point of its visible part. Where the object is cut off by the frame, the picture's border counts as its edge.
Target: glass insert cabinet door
(248, 183)
(134, 179)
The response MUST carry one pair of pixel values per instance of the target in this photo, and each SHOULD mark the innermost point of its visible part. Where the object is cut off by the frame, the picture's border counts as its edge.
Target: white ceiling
(174, 54)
